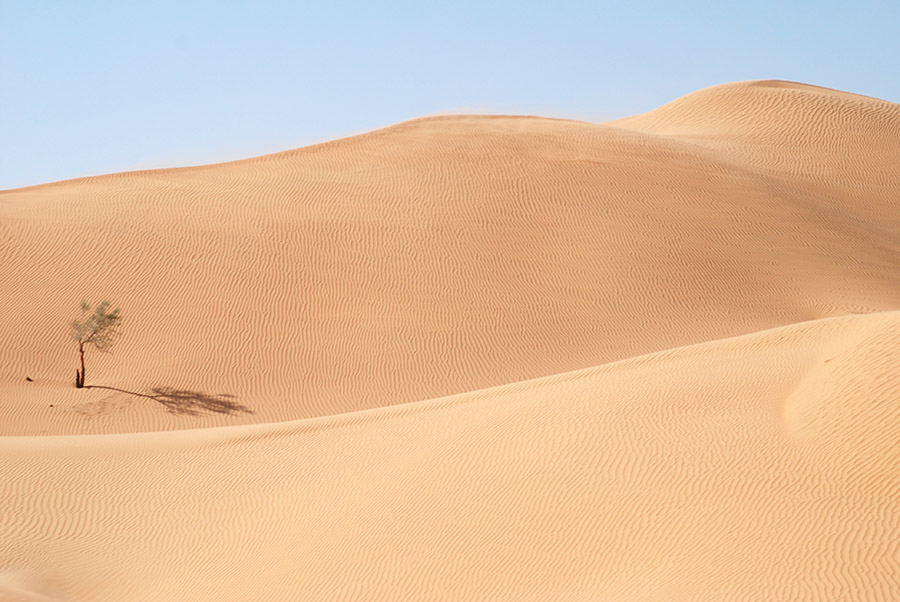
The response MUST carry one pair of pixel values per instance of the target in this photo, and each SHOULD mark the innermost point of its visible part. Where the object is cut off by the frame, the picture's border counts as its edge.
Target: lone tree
(98, 329)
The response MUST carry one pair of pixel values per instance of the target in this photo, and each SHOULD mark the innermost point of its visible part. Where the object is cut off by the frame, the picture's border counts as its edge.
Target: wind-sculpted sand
(470, 358)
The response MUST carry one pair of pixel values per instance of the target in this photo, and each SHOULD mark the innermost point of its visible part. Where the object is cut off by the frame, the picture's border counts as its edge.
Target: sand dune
(443, 255)
(470, 358)
(758, 467)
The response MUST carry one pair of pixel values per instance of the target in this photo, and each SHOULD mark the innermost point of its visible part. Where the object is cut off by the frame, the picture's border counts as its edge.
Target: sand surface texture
(470, 358)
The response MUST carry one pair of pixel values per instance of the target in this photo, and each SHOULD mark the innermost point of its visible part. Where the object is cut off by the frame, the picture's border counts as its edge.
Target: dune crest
(470, 358)
(826, 140)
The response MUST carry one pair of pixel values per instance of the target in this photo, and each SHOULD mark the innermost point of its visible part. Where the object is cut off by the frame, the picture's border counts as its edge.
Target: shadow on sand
(187, 402)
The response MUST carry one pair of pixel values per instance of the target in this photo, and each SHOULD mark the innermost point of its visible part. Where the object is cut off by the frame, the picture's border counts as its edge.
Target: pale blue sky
(90, 87)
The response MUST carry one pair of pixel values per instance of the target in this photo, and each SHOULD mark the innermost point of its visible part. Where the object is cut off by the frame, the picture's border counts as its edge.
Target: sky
(91, 87)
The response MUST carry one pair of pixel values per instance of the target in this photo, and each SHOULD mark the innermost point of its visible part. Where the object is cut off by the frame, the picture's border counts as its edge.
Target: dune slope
(760, 467)
(470, 358)
(446, 255)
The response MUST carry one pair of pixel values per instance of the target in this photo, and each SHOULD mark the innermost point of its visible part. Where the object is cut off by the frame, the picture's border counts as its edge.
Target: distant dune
(470, 358)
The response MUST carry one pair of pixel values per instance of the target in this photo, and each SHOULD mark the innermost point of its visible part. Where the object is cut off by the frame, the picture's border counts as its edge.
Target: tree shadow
(187, 402)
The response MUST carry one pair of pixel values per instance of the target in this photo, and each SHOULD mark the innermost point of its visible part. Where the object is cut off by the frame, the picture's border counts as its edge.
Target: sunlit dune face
(469, 358)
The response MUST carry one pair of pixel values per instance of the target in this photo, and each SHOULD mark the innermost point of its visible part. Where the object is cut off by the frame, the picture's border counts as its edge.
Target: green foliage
(98, 328)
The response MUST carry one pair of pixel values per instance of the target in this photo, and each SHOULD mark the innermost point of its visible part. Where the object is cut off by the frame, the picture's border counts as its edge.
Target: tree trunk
(79, 376)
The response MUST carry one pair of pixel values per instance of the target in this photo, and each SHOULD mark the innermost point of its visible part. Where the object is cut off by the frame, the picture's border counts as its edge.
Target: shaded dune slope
(446, 255)
(760, 467)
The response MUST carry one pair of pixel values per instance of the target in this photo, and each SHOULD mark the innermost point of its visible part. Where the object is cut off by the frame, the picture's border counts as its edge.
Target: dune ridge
(470, 358)
(393, 266)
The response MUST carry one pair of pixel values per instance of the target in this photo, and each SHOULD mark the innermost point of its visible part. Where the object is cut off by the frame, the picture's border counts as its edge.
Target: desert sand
(470, 358)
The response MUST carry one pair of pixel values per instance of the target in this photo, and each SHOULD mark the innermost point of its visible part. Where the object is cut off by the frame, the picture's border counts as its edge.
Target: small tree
(98, 329)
